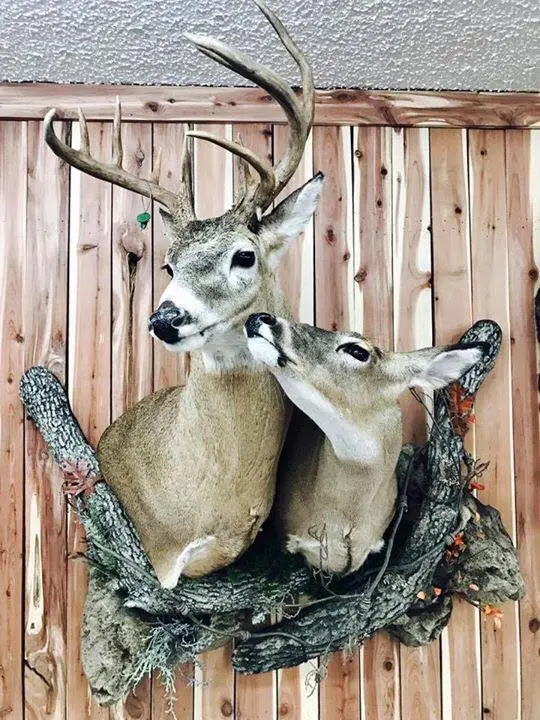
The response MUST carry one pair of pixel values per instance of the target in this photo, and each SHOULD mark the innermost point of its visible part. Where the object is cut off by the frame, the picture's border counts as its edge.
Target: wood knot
(283, 710)
(388, 665)
(458, 210)
(139, 157)
(384, 171)
(361, 275)
(483, 152)
(533, 274)
(19, 338)
(359, 154)
(534, 625)
(379, 202)
(330, 236)
(346, 256)
(226, 708)
(153, 106)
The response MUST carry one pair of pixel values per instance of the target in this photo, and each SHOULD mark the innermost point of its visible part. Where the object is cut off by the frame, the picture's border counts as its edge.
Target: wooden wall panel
(214, 694)
(45, 338)
(373, 315)
(453, 315)
(255, 695)
(132, 301)
(493, 433)
(13, 162)
(89, 379)
(420, 667)
(523, 206)
(364, 264)
(340, 688)
(169, 369)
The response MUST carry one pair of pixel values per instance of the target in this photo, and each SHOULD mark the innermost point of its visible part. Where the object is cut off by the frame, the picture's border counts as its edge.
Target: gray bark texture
(133, 626)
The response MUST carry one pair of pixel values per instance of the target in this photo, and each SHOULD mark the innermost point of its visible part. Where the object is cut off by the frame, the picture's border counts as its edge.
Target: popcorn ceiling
(397, 44)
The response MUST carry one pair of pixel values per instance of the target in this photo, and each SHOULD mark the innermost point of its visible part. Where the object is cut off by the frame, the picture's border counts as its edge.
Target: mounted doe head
(344, 382)
(221, 268)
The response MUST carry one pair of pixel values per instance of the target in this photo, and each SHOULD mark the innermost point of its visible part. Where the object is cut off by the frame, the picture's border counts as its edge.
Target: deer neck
(366, 438)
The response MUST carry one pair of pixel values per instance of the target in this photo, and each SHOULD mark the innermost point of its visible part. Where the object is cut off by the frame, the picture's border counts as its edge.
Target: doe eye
(168, 269)
(243, 258)
(357, 351)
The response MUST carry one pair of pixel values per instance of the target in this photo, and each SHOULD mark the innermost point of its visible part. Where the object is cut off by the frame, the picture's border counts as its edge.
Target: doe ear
(446, 364)
(289, 218)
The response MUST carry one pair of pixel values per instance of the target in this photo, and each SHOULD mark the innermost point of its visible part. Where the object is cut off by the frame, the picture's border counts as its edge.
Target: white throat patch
(349, 442)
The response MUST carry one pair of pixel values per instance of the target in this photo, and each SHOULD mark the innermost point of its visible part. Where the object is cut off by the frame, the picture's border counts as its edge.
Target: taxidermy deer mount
(195, 468)
(337, 487)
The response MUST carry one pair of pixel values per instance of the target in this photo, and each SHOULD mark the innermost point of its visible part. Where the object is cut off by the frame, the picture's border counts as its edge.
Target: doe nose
(164, 323)
(254, 322)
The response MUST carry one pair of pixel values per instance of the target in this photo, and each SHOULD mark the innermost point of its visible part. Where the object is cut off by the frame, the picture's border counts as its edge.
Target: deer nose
(256, 320)
(164, 323)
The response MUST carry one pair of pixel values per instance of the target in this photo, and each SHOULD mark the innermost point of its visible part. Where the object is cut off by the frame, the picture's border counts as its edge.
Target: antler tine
(82, 160)
(118, 152)
(263, 168)
(85, 140)
(186, 205)
(299, 112)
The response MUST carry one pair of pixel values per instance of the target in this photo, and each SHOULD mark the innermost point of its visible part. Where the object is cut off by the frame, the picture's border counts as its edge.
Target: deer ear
(447, 365)
(168, 222)
(289, 218)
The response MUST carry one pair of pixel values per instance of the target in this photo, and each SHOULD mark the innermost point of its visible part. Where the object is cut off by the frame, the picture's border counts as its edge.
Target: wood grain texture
(89, 379)
(296, 278)
(452, 305)
(255, 695)
(45, 339)
(131, 307)
(373, 315)
(219, 104)
(523, 204)
(340, 688)
(420, 667)
(169, 369)
(493, 432)
(13, 161)
(214, 693)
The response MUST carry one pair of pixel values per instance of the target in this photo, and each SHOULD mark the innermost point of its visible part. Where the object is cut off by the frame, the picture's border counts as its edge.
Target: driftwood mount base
(133, 626)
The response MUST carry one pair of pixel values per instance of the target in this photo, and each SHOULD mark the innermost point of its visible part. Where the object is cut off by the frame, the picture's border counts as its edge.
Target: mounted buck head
(222, 268)
(337, 487)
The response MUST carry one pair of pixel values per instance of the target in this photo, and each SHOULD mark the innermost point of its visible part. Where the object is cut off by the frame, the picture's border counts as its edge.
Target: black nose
(166, 320)
(256, 320)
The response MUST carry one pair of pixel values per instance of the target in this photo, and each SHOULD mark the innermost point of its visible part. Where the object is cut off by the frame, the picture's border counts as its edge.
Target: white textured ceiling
(397, 44)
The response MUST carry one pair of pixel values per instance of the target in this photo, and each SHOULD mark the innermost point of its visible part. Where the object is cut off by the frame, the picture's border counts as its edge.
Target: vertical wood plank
(296, 278)
(493, 432)
(45, 344)
(523, 201)
(132, 306)
(89, 376)
(420, 667)
(255, 695)
(170, 369)
(453, 315)
(340, 689)
(13, 159)
(373, 315)
(214, 693)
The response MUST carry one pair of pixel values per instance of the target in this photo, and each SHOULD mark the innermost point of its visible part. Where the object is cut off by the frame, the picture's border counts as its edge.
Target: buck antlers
(255, 196)
(299, 112)
(179, 204)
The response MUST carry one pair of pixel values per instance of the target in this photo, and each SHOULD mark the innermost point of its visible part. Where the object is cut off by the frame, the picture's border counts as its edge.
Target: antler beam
(177, 203)
(299, 111)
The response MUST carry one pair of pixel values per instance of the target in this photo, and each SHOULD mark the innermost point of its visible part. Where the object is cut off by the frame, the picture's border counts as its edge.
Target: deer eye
(169, 269)
(357, 351)
(243, 258)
